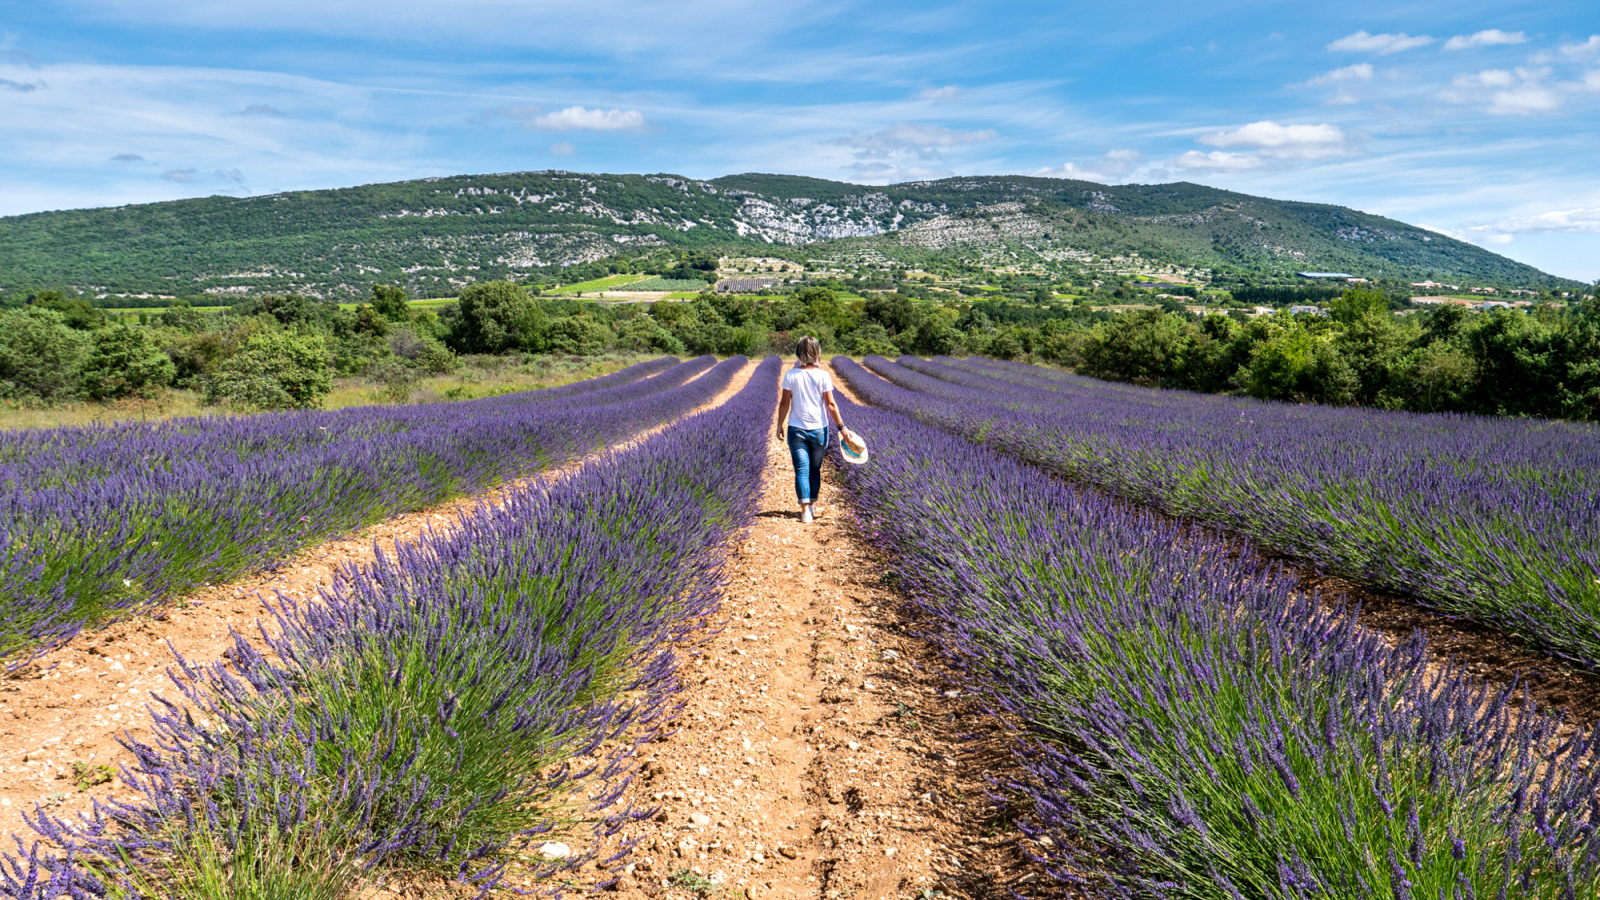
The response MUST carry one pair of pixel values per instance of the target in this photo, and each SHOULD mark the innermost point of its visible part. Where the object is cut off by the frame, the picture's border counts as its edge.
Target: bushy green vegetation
(267, 353)
(283, 351)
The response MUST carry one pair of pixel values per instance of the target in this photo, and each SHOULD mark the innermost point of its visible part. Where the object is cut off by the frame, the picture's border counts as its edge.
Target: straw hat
(852, 447)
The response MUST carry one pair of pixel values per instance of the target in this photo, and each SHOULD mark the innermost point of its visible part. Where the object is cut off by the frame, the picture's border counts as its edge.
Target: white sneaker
(805, 516)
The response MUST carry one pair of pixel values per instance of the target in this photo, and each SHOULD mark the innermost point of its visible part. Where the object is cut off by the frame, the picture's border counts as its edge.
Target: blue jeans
(806, 449)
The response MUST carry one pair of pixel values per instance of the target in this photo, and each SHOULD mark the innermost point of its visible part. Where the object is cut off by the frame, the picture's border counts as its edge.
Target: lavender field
(1494, 520)
(1116, 573)
(98, 522)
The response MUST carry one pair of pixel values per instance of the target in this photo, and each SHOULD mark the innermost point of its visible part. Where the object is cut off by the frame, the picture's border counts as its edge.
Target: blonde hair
(808, 351)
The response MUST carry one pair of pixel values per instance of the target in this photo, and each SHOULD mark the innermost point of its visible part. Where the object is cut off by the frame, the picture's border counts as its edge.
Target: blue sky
(1478, 119)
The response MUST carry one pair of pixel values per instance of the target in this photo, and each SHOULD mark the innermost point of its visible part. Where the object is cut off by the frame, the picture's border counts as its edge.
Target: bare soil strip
(820, 750)
(60, 717)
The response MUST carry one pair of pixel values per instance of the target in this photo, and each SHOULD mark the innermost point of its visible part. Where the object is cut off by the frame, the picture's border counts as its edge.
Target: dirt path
(69, 706)
(820, 751)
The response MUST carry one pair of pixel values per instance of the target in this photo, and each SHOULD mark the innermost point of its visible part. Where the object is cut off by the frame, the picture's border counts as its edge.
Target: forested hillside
(436, 235)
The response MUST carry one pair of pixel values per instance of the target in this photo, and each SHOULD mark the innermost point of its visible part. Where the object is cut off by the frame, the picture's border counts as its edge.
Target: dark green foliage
(1502, 362)
(390, 302)
(40, 355)
(274, 370)
(124, 363)
(497, 316)
(76, 312)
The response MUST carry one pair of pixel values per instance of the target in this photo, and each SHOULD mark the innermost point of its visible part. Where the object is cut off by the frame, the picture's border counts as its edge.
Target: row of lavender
(1195, 728)
(434, 713)
(43, 457)
(199, 502)
(1493, 519)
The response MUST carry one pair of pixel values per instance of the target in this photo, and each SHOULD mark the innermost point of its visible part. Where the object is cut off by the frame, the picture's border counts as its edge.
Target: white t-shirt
(806, 412)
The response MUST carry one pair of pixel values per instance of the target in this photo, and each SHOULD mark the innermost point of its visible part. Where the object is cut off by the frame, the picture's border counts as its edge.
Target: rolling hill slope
(436, 234)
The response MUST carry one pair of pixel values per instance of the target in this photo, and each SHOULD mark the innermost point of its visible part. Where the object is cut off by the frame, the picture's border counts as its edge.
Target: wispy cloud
(179, 176)
(127, 157)
(562, 149)
(1345, 75)
(1381, 44)
(261, 109)
(21, 87)
(1486, 38)
(1216, 161)
(577, 118)
(1112, 167)
(1284, 142)
(947, 92)
(1520, 91)
(920, 139)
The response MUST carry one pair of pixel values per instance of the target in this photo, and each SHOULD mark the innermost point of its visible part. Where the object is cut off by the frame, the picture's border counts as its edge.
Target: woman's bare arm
(833, 409)
(783, 411)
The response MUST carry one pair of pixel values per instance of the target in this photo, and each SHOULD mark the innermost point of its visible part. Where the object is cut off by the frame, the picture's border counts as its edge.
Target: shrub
(422, 353)
(390, 302)
(274, 370)
(40, 356)
(579, 336)
(496, 316)
(124, 364)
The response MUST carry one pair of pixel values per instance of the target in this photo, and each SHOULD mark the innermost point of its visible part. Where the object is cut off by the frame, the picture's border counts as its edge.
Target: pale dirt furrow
(72, 704)
(820, 750)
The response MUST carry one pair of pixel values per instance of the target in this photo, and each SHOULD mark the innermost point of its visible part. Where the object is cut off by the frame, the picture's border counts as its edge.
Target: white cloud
(577, 118)
(179, 176)
(1589, 49)
(1520, 91)
(1217, 161)
(1112, 167)
(920, 138)
(1284, 141)
(889, 173)
(948, 92)
(562, 149)
(1586, 221)
(1486, 38)
(261, 109)
(1381, 44)
(1505, 231)
(1357, 72)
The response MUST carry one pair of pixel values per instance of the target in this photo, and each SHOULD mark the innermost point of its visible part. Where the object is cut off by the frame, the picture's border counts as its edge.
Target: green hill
(434, 235)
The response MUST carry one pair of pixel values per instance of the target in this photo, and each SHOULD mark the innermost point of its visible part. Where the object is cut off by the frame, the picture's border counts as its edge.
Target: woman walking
(807, 395)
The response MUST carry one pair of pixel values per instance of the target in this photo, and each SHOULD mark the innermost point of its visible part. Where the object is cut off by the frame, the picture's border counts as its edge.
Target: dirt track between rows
(820, 751)
(72, 704)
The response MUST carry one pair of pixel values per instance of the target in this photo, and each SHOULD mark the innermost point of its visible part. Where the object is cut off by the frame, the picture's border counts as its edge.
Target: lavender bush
(438, 709)
(1197, 728)
(1493, 519)
(96, 521)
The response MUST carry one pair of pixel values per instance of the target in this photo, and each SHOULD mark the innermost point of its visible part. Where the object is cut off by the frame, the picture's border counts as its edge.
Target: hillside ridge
(436, 234)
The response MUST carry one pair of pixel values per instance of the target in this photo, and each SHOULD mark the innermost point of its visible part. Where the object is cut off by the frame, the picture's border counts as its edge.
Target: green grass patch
(602, 284)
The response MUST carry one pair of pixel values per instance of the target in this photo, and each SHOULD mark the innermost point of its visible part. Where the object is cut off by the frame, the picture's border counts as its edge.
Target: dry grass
(479, 376)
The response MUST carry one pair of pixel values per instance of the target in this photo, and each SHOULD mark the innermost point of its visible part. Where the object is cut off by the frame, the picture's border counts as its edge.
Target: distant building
(1483, 290)
(1344, 275)
(1313, 310)
(1443, 301)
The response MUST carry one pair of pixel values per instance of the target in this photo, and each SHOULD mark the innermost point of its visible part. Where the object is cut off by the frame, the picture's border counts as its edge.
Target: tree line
(283, 351)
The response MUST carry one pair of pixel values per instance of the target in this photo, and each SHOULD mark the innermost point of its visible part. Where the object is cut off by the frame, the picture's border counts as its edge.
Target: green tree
(496, 316)
(182, 317)
(40, 355)
(1350, 306)
(1145, 347)
(390, 302)
(274, 370)
(123, 363)
(76, 312)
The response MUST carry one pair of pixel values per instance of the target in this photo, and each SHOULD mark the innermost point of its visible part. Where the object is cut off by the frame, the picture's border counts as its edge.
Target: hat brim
(852, 457)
